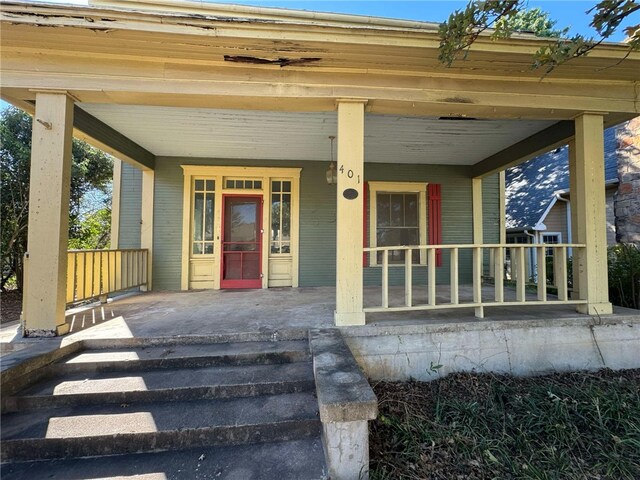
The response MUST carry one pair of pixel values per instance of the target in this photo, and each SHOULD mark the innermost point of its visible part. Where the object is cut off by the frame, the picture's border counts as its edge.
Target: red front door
(241, 241)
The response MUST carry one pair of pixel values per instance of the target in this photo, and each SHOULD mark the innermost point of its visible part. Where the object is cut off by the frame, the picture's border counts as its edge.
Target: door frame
(218, 173)
(242, 284)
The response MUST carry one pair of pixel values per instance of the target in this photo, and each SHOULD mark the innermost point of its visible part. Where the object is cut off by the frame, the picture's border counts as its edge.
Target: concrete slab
(293, 460)
(85, 421)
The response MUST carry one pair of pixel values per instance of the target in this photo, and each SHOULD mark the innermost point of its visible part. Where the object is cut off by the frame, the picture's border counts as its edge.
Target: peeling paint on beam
(281, 61)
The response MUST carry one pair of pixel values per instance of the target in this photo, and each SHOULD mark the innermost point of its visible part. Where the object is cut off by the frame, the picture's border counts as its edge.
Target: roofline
(157, 10)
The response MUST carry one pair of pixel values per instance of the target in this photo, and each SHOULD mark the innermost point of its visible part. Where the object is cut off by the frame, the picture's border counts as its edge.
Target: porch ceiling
(268, 135)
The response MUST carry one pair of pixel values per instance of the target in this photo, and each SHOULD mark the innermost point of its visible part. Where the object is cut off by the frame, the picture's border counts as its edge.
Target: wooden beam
(98, 134)
(541, 142)
(111, 141)
(554, 136)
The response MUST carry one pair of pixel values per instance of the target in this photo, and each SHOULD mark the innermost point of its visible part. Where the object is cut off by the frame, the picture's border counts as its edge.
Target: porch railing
(519, 276)
(97, 273)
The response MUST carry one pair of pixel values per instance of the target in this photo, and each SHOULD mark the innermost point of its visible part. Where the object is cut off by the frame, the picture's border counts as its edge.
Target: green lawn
(583, 425)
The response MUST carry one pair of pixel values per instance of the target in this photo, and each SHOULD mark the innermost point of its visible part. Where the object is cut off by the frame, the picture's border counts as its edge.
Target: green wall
(317, 216)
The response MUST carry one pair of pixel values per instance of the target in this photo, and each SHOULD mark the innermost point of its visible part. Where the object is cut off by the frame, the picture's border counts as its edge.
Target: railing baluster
(477, 281)
(560, 272)
(385, 278)
(79, 293)
(542, 273)
(431, 281)
(71, 276)
(498, 274)
(521, 276)
(408, 278)
(454, 276)
(97, 277)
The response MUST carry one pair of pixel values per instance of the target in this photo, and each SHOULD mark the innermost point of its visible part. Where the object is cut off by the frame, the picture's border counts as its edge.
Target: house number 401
(349, 173)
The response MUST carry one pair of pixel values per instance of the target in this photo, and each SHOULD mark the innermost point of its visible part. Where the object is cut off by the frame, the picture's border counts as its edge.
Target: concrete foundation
(347, 449)
(526, 347)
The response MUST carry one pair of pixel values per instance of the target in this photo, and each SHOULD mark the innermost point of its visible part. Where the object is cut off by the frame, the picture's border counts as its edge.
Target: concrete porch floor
(210, 312)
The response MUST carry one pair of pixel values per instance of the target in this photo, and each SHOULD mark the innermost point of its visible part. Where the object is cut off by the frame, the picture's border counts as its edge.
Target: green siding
(317, 217)
(130, 206)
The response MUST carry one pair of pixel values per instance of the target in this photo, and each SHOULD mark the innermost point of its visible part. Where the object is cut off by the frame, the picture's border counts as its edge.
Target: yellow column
(350, 213)
(588, 202)
(146, 217)
(575, 293)
(45, 280)
(478, 238)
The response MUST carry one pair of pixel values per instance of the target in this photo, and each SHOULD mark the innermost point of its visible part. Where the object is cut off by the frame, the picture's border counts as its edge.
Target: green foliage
(569, 426)
(93, 231)
(505, 17)
(90, 174)
(624, 275)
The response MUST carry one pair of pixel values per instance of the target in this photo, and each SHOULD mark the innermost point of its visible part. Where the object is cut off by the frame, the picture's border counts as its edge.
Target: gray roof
(530, 186)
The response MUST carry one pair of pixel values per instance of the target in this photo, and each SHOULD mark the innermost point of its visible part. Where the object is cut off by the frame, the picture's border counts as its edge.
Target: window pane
(410, 210)
(383, 209)
(275, 247)
(275, 216)
(286, 216)
(208, 217)
(397, 210)
(409, 236)
(208, 248)
(275, 186)
(199, 185)
(198, 206)
(257, 184)
(388, 237)
(197, 248)
(285, 248)
(239, 184)
(286, 186)
(211, 185)
(230, 183)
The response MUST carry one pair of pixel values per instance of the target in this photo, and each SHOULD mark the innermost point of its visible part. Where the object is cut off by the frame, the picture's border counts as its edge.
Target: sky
(570, 13)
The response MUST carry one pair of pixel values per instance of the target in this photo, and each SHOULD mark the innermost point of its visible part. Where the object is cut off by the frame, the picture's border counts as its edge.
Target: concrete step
(166, 385)
(84, 431)
(184, 356)
(292, 460)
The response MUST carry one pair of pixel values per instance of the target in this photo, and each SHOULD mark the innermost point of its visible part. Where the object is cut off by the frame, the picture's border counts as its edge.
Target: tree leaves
(506, 17)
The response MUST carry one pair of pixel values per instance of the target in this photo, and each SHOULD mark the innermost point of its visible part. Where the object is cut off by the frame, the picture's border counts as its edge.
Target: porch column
(587, 176)
(478, 239)
(146, 222)
(350, 213)
(45, 281)
(575, 292)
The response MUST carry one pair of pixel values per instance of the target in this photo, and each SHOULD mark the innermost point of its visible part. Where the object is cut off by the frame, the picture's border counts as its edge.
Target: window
(203, 208)
(280, 216)
(242, 183)
(398, 216)
(551, 238)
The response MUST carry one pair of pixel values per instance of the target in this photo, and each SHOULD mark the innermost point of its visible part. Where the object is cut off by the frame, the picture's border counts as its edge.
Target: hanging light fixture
(332, 173)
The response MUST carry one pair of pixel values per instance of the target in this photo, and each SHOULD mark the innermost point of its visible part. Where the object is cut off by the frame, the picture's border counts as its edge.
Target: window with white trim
(397, 217)
(203, 210)
(551, 238)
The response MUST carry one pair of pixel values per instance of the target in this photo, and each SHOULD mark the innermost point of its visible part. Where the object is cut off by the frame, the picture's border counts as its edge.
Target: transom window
(242, 183)
(280, 216)
(398, 217)
(203, 209)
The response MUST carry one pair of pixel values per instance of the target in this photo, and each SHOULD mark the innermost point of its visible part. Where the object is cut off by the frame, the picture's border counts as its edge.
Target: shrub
(624, 275)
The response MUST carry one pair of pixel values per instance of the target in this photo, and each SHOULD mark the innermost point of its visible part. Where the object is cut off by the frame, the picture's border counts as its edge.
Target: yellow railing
(96, 273)
(519, 274)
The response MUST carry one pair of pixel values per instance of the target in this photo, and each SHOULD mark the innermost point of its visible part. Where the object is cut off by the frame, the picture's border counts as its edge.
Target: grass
(582, 425)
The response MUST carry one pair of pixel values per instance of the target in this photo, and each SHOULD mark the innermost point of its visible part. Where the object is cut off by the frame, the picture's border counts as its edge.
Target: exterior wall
(611, 217)
(627, 203)
(317, 216)
(556, 220)
(130, 207)
(517, 347)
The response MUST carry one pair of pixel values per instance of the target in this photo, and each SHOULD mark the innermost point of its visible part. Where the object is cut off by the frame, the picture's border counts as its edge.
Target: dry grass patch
(583, 425)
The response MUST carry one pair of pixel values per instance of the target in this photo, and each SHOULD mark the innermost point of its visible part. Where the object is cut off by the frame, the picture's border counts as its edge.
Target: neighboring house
(538, 198)
(223, 117)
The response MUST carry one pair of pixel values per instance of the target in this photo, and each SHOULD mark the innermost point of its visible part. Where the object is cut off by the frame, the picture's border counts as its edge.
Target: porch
(212, 127)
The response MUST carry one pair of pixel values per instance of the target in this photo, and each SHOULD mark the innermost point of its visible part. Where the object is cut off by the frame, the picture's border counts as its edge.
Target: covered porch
(192, 120)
